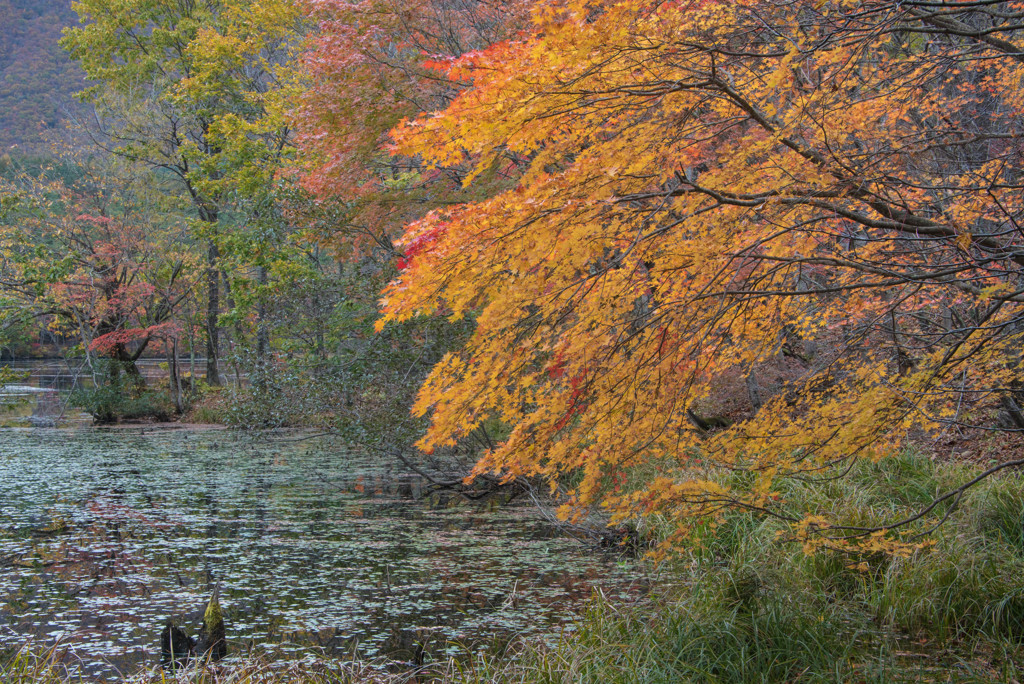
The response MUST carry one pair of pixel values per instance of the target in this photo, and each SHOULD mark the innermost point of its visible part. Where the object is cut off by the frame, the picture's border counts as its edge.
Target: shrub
(120, 398)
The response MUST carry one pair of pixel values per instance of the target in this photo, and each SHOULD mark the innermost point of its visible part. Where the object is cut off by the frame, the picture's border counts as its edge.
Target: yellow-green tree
(195, 90)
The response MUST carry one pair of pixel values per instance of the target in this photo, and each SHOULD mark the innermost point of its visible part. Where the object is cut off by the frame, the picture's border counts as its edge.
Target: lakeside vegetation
(746, 606)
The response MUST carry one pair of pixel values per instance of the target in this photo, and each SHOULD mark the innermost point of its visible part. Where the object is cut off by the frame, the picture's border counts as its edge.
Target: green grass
(746, 606)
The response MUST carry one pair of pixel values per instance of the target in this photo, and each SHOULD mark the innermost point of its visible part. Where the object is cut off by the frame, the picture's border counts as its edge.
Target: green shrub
(121, 398)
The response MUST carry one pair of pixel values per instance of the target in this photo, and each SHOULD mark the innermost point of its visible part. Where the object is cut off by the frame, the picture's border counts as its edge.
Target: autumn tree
(90, 258)
(370, 63)
(367, 65)
(194, 90)
(825, 194)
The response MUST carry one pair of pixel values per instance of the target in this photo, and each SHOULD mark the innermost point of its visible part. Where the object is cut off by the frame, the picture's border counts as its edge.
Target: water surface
(107, 533)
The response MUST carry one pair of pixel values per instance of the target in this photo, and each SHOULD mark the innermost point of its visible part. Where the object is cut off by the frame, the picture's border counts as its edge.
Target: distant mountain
(37, 79)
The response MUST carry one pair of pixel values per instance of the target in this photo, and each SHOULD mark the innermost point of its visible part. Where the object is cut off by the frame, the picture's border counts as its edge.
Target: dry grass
(52, 666)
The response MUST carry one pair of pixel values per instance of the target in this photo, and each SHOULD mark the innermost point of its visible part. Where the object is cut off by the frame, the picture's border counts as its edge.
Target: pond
(105, 534)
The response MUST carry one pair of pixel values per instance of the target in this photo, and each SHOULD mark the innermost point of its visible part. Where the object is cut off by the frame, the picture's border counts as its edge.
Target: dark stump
(176, 647)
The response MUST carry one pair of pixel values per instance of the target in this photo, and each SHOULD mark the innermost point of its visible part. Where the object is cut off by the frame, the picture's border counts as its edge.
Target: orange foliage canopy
(823, 192)
(369, 63)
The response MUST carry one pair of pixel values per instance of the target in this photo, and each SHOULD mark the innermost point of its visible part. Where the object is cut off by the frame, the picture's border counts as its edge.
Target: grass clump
(746, 606)
(119, 396)
(110, 404)
(28, 666)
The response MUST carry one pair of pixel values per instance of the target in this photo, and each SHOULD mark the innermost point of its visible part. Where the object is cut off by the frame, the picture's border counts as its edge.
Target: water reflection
(107, 533)
(68, 374)
(41, 398)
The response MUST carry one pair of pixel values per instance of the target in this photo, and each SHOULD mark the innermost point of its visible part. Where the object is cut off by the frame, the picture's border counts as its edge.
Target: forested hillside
(36, 76)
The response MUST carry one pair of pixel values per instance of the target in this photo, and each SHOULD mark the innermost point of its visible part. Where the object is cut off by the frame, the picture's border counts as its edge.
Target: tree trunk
(121, 360)
(175, 377)
(236, 345)
(262, 331)
(212, 312)
(753, 390)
